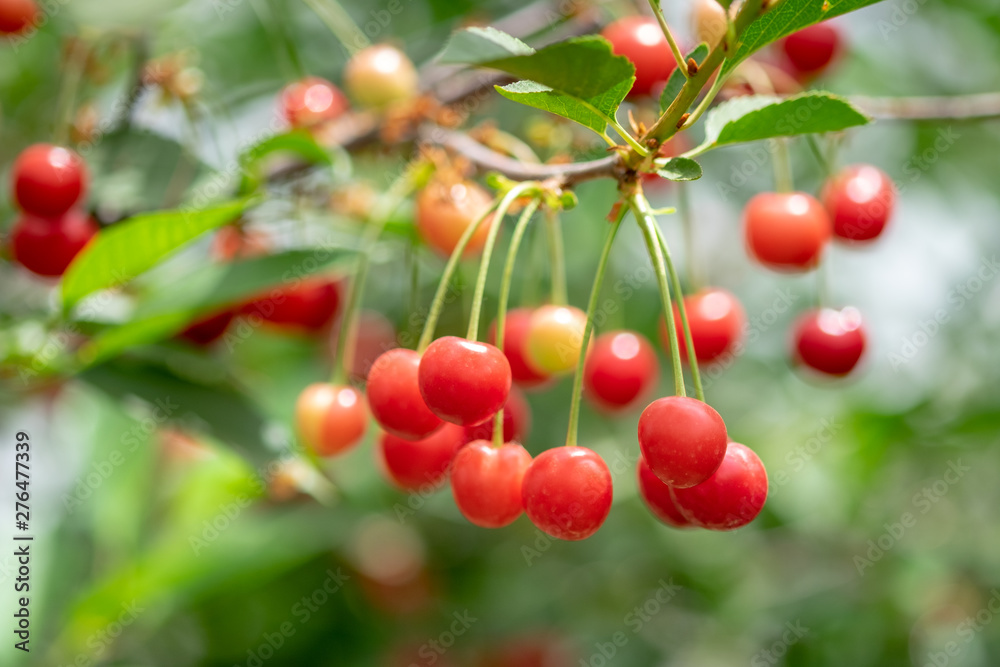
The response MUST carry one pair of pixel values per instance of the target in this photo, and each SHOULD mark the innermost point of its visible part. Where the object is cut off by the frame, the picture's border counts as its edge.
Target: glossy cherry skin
(682, 439)
(464, 382)
(786, 231)
(515, 335)
(394, 396)
(486, 482)
(16, 16)
(555, 336)
(567, 492)
(330, 418)
(860, 200)
(208, 329)
(312, 101)
(830, 341)
(414, 465)
(732, 497)
(445, 210)
(811, 50)
(640, 39)
(48, 180)
(657, 497)
(308, 305)
(516, 421)
(621, 369)
(379, 76)
(47, 246)
(717, 322)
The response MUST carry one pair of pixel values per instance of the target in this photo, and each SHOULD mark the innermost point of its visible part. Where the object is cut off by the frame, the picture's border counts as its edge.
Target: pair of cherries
(48, 183)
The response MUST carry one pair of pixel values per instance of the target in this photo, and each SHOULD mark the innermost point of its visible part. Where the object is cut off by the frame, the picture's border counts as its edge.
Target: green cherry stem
(699, 392)
(782, 167)
(484, 265)
(687, 224)
(340, 24)
(400, 189)
(557, 260)
(449, 270)
(588, 330)
(662, 20)
(505, 281)
(647, 223)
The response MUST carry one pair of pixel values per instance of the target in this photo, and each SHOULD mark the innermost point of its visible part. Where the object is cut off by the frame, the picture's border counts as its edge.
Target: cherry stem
(500, 207)
(557, 260)
(75, 67)
(782, 167)
(687, 224)
(821, 157)
(401, 188)
(340, 24)
(662, 20)
(699, 392)
(647, 223)
(280, 36)
(588, 330)
(508, 275)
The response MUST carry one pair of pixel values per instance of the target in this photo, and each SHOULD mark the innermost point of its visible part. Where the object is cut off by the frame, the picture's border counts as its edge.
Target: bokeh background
(161, 542)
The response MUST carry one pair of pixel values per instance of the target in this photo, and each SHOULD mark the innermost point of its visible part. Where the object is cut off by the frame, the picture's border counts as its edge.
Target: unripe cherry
(445, 210)
(379, 76)
(732, 497)
(330, 418)
(554, 339)
(567, 492)
(682, 439)
(486, 482)
(516, 326)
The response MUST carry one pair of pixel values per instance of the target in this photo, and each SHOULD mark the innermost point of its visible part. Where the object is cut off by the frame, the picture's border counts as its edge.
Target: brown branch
(958, 107)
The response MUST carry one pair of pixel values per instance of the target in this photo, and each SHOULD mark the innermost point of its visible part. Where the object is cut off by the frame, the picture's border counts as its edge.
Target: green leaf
(120, 253)
(677, 79)
(300, 142)
(784, 18)
(166, 309)
(680, 169)
(580, 79)
(756, 117)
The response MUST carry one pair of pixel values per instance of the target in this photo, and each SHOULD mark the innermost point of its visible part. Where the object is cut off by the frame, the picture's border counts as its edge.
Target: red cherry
(682, 439)
(515, 334)
(17, 15)
(208, 329)
(330, 418)
(732, 497)
(860, 200)
(48, 180)
(47, 246)
(811, 50)
(717, 322)
(464, 382)
(786, 231)
(486, 482)
(380, 76)
(640, 39)
(830, 341)
(516, 421)
(413, 465)
(375, 335)
(621, 368)
(657, 496)
(312, 101)
(554, 339)
(567, 492)
(394, 396)
(309, 305)
(445, 210)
